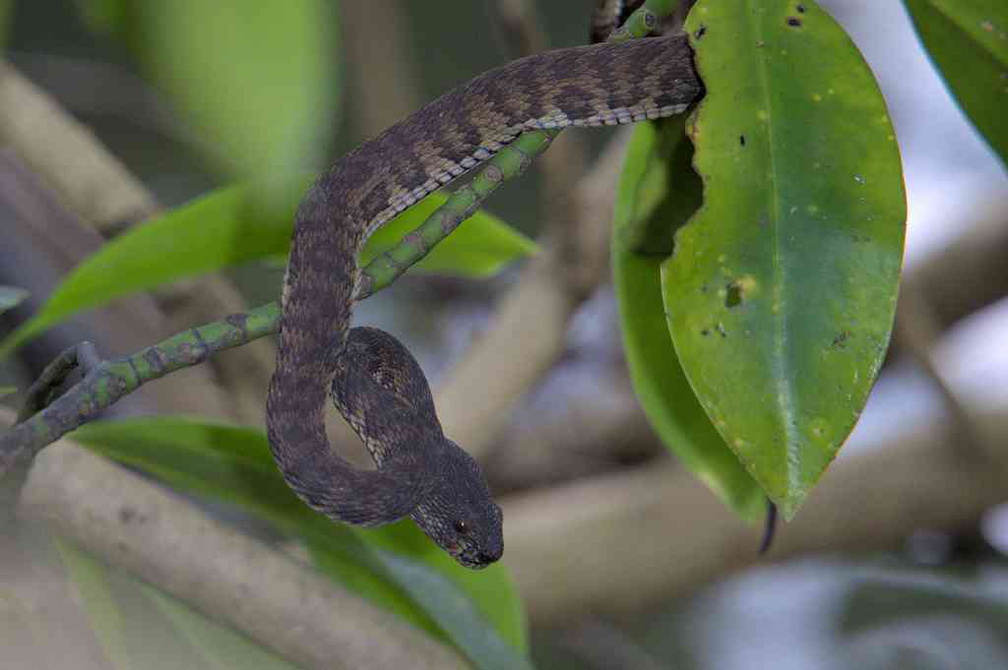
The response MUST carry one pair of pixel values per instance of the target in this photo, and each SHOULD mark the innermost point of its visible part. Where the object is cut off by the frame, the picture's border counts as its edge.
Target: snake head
(460, 514)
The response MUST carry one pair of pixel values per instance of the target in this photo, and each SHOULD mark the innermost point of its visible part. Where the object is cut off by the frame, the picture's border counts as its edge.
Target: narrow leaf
(782, 288)
(226, 227)
(968, 41)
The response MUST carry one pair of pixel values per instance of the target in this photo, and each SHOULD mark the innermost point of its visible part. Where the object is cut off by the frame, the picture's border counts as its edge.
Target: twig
(509, 163)
(111, 380)
(139, 526)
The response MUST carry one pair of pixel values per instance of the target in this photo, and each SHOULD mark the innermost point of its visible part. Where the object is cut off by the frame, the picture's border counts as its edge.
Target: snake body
(376, 384)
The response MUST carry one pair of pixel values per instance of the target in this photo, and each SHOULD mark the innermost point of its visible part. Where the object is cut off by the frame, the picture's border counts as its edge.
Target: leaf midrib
(779, 362)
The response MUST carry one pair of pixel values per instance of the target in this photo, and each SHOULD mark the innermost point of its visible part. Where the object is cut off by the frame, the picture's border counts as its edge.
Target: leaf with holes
(968, 41)
(782, 289)
(658, 191)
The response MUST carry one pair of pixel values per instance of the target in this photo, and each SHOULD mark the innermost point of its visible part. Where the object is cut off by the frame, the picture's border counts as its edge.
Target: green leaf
(480, 247)
(657, 192)
(11, 297)
(782, 288)
(255, 78)
(968, 41)
(226, 227)
(234, 465)
(212, 232)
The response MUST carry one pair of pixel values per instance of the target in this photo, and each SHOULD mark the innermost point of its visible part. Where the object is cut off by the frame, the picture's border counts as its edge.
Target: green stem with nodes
(508, 163)
(108, 381)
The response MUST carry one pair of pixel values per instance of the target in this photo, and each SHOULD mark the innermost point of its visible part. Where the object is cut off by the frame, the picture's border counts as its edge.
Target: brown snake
(376, 383)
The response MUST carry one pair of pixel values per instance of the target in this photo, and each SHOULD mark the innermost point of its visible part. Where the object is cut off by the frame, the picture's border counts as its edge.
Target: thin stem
(107, 382)
(508, 163)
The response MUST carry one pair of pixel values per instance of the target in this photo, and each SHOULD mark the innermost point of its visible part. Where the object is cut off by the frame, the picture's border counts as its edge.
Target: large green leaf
(478, 612)
(782, 288)
(226, 228)
(255, 78)
(657, 192)
(968, 41)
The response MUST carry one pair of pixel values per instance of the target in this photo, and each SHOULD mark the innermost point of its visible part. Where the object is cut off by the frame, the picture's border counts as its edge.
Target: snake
(370, 376)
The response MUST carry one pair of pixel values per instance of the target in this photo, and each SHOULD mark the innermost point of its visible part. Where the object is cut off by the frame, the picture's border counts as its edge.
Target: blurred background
(623, 560)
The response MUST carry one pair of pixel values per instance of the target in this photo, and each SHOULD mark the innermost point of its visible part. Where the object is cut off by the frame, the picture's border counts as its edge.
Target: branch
(165, 540)
(621, 543)
(88, 178)
(105, 383)
(528, 333)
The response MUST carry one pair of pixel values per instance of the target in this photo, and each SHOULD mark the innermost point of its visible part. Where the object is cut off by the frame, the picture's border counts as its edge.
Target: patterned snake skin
(376, 383)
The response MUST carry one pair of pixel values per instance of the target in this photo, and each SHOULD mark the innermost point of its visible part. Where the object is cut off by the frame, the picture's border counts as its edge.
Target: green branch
(106, 382)
(508, 163)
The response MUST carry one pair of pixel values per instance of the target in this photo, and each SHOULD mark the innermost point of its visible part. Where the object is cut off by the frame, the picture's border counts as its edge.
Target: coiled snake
(375, 382)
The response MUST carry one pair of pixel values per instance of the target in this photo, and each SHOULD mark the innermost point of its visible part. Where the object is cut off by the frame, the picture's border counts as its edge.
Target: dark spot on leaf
(800, 8)
(700, 32)
(841, 339)
(794, 22)
(705, 332)
(741, 140)
(733, 295)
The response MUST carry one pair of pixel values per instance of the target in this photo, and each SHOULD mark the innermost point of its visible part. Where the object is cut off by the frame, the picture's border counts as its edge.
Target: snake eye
(461, 527)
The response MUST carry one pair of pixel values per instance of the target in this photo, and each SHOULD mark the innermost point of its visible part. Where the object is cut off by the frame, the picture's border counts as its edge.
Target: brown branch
(620, 543)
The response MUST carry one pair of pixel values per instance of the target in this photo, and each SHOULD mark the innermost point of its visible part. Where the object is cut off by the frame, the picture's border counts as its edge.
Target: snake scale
(375, 382)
